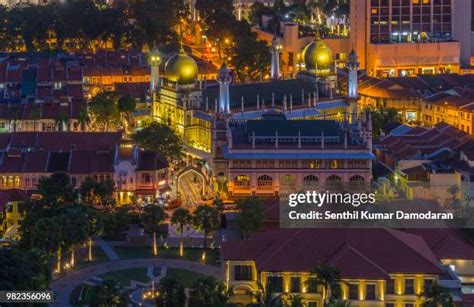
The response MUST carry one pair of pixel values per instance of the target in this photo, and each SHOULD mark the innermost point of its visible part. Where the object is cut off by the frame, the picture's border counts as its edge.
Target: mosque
(273, 136)
(189, 105)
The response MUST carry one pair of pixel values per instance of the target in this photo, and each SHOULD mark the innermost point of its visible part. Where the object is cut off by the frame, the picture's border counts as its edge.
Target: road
(64, 286)
(190, 190)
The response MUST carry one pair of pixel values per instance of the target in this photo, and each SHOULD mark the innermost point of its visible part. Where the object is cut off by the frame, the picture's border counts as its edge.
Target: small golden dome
(181, 68)
(317, 57)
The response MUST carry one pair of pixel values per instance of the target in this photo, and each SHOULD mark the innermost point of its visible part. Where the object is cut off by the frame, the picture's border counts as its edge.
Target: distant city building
(206, 116)
(25, 157)
(404, 37)
(428, 162)
(291, 44)
(423, 99)
(276, 156)
(191, 105)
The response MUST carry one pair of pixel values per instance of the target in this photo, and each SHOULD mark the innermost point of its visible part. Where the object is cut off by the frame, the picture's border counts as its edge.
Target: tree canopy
(56, 26)
(250, 217)
(161, 139)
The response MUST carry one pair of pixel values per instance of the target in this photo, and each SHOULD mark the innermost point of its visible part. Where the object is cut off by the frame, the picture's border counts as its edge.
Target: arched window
(356, 181)
(288, 181)
(264, 181)
(310, 181)
(242, 181)
(356, 178)
(334, 178)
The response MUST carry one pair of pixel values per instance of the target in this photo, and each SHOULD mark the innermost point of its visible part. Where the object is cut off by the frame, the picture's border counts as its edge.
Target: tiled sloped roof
(301, 250)
(150, 161)
(446, 243)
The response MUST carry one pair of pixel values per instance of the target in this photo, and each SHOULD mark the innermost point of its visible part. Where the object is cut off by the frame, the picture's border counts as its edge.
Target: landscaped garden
(125, 277)
(190, 254)
(184, 277)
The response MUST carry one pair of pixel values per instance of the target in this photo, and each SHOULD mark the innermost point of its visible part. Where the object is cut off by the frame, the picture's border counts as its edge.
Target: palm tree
(328, 277)
(171, 293)
(182, 219)
(84, 119)
(295, 300)
(94, 225)
(152, 217)
(437, 296)
(111, 293)
(267, 297)
(205, 219)
(207, 291)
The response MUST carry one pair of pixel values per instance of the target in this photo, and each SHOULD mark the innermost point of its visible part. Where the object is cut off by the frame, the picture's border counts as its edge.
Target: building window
(310, 181)
(265, 181)
(390, 287)
(353, 291)
(295, 283)
(242, 181)
(242, 272)
(333, 180)
(315, 164)
(288, 181)
(409, 286)
(409, 305)
(427, 284)
(389, 304)
(357, 181)
(275, 283)
(370, 292)
(312, 285)
(146, 178)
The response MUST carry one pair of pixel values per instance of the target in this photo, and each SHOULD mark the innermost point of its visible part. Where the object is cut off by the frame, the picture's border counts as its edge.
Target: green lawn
(87, 293)
(125, 277)
(190, 254)
(98, 256)
(184, 277)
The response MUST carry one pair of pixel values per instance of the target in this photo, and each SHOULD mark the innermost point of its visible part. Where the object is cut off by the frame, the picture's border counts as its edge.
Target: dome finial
(318, 57)
(181, 68)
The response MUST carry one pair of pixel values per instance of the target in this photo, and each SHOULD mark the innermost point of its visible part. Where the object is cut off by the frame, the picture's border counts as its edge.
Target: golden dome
(181, 68)
(317, 57)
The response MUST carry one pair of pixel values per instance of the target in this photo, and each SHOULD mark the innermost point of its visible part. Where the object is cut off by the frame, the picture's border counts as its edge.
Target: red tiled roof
(446, 243)
(3, 72)
(74, 73)
(86, 162)
(35, 162)
(11, 164)
(64, 141)
(301, 250)
(425, 141)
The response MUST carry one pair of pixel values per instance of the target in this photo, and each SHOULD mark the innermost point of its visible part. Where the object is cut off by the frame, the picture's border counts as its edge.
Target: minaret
(275, 51)
(352, 93)
(155, 61)
(224, 79)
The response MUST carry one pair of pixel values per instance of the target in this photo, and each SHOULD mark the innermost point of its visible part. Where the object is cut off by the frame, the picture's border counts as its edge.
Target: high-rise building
(400, 37)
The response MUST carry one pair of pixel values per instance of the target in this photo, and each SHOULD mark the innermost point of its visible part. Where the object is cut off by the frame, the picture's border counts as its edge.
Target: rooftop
(351, 250)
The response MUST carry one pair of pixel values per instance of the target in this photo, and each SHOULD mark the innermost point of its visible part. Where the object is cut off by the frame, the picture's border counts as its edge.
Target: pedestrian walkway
(108, 250)
(64, 285)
